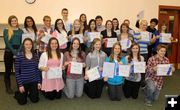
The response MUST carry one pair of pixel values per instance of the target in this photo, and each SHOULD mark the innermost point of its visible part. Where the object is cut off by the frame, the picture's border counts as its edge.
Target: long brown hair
(93, 43)
(130, 56)
(112, 52)
(73, 29)
(49, 48)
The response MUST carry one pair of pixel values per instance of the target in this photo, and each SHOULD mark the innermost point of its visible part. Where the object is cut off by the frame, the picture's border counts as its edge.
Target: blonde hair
(10, 29)
(73, 30)
(143, 21)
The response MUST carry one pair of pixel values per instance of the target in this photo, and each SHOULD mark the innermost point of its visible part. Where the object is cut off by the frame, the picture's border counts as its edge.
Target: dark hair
(49, 48)
(79, 49)
(137, 23)
(161, 46)
(89, 25)
(85, 23)
(55, 25)
(33, 26)
(98, 17)
(110, 22)
(154, 20)
(130, 56)
(124, 24)
(112, 52)
(64, 9)
(32, 49)
(117, 22)
(45, 17)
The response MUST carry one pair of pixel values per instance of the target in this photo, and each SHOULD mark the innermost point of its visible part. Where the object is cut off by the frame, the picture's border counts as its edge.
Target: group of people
(46, 66)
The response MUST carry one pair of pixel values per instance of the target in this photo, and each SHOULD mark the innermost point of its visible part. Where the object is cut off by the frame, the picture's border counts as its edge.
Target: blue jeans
(151, 92)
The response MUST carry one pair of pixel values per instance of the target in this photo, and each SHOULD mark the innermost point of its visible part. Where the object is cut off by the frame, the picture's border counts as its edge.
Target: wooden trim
(169, 7)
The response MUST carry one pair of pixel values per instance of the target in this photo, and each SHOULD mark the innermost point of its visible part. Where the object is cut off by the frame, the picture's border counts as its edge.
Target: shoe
(148, 103)
(9, 91)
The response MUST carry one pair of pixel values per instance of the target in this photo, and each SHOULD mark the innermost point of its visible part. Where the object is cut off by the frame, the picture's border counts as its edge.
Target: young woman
(59, 30)
(12, 38)
(154, 82)
(30, 29)
(27, 74)
(116, 26)
(96, 57)
(83, 21)
(51, 63)
(115, 83)
(125, 38)
(74, 82)
(108, 33)
(132, 83)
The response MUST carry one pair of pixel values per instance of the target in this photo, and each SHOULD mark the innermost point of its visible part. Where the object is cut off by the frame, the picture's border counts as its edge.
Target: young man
(99, 21)
(67, 23)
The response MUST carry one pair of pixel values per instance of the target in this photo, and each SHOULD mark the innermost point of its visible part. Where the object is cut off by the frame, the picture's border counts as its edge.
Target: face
(109, 25)
(124, 29)
(64, 14)
(29, 22)
(115, 23)
(60, 24)
(92, 25)
(117, 50)
(75, 45)
(54, 44)
(127, 22)
(97, 46)
(77, 25)
(14, 22)
(163, 27)
(143, 26)
(47, 22)
(99, 21)
(161, 52)
(152, 24)
(83, 18)
(28, 45)
(135, 49)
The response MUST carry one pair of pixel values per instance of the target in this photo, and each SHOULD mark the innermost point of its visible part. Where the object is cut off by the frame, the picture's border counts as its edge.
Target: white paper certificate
(145, 36)
(110, 42)
(93, 35)
(46, 38)
(117, 32)
(61, 39)
(31, 36)
(79, 36)
(93, 74)
(139, 67)
(108, 69)
(76, 68)
(54, 73)
(124, 70)
(165, 37)
(125, 44)
(164, 69)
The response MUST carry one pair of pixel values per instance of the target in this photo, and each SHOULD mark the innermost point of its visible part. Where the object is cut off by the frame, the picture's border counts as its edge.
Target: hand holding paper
(93, 74)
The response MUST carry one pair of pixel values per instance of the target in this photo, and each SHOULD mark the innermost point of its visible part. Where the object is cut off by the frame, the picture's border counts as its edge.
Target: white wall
(107, 8)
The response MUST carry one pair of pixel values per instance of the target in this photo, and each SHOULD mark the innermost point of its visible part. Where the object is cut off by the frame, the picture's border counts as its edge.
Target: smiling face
(64, 14)
(143, 25)
(117, 50)
(135, 49)
(115, 23)
(99, 22)
(77, 25)
(92, 25)
(53, 44)
(161, 52)
(47, 22)
(83, 18)
(109, 25)
(97, 46)
(28, 45)
(60, 24)
(29, 22)
(75, 44)
(124, 29)
(14, 22)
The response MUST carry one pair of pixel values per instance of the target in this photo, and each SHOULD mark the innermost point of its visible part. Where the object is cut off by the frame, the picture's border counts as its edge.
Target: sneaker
(148, 103)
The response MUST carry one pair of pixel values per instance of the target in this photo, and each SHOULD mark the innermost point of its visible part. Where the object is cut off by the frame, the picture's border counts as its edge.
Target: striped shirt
(26, 70)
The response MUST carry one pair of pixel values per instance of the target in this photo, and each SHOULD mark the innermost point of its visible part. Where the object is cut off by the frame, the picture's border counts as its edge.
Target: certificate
(93, 74)
(61, 39)
(117, 32)
(124, 70)
(93, 35)
(145, 36)
(164, 69)
(31, 36)
(79, 36)
(108, 69)
(165, 38)
(125, 44)
(139, 67)
(110, 42)
(46, 38)
(54, 73)
(76, 68)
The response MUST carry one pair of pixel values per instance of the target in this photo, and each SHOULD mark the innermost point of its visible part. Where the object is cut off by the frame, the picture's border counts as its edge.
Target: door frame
(177, 8)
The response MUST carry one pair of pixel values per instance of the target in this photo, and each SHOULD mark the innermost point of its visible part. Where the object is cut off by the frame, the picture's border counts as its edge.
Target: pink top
(64, 46)
(52, 84)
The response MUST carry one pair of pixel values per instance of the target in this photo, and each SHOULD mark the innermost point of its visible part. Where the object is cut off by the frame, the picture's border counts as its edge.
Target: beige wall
(107, 8)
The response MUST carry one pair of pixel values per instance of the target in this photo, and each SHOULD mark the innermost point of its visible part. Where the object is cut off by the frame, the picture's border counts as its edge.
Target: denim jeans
(151, 92)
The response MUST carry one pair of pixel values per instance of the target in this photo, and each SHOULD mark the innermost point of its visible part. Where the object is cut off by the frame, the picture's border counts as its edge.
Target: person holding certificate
(132, 83)
(77, 31)
(51, 64)
(115, 82)
(153, 81)
(108, 34)
(60, 33)
(116, 26)
(95, 58)
(45, 31)
(12, 39)
(74, 79)
(125, 38)
(83, 21)
(27, 74)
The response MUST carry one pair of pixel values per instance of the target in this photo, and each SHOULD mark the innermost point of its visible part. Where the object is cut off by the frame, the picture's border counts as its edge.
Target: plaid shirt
(151, 74)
